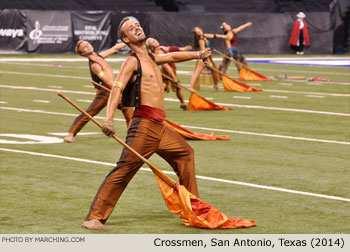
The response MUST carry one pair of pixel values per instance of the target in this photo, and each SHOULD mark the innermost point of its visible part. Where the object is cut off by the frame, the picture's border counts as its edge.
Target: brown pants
(99, 102)
(146, 137)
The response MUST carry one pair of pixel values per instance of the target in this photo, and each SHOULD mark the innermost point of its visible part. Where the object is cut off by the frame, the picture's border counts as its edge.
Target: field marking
(315, 96)
(80, 133)
(278, 96)
(273, 188)
(192, 127)
(241, 97)
(224, 104)
(36, 139)
(304, 92)
(54, 86)
(41, 101)
(267, 135)
(48, 75)
(284, 109)
(82, 100)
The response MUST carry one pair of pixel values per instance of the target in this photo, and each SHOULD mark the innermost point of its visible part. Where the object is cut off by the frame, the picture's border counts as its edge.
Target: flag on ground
(248, 74)
(197, 102)
(194, 212)
(231, 84)
(193, 135)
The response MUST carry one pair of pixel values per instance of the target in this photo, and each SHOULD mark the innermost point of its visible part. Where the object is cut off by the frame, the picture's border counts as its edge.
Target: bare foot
(94, 224)
(70, 139)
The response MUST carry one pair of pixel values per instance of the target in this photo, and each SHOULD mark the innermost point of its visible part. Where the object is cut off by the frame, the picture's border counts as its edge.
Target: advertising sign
(49, 31)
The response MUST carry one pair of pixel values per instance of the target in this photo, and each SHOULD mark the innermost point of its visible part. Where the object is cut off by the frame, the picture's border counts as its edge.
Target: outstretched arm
(112, 50)
(182, 56)
(214, 35)
(240, 28)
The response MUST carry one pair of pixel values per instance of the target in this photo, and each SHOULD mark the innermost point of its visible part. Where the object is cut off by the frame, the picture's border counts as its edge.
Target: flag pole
(155, 169)
(172, 80)
(101, 86)
(229, 58)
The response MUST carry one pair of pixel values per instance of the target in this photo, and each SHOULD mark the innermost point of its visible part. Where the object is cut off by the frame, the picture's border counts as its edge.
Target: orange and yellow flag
(197, 102)
(194, 212)
(231, 84)
(248, 74)
(187, 134)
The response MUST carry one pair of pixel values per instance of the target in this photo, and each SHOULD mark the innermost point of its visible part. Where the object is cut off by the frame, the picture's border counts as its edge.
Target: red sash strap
(153, 114)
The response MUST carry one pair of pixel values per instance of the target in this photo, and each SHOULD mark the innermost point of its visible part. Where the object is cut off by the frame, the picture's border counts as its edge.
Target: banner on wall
(12, 31)
(92, 26)
(49, 31)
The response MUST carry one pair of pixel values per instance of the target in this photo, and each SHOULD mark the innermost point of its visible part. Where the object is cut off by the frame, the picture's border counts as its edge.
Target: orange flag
(194, 212)
(197, 102)
(248, 74)
(231, 84)
(193, 135)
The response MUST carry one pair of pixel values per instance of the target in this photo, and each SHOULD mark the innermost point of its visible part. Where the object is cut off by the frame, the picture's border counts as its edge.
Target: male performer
(230, 37)
(200, 43)
(169, 69)
(300, 34)
(140, 81)
(102, 73)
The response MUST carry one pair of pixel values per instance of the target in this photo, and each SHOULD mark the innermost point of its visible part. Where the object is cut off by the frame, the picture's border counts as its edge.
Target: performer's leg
(199, 67)
(300, 47)
(99, 102)
(142, 137)
(180, 155)
(237, 62)
(180, 96)
(214, 73)
(224, 65)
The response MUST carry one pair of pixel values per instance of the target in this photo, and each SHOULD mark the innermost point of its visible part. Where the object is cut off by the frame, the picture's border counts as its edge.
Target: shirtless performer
(102, 73)
(169, 69)
(140, 81)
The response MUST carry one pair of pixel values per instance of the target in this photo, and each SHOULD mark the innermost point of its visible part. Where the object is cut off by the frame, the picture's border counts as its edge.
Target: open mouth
(139, 33)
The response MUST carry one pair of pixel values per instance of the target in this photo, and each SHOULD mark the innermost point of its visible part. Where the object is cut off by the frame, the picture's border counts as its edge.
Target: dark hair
(121, 34)
(196, 38)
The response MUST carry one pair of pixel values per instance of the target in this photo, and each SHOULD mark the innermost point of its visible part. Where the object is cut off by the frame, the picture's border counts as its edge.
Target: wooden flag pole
(229, 58)
(172, 80)
(155, 169)
(101, 86)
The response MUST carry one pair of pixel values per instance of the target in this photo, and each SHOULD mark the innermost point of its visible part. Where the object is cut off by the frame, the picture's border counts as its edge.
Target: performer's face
(226, 27)
(153, 43)
(85, 48)
(133, 31)
(198, 31)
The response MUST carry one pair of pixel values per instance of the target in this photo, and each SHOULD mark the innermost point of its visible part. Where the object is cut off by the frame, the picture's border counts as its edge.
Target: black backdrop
(269, 34)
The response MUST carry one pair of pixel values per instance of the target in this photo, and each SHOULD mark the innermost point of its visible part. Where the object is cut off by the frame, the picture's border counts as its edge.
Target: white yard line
(266, 135)
(48, 75)
(191, 127)
(241, 97)
(273, 188)
(41, 101)
(224, 104)
(278, 96)
(51, 113)
(284, 109)
(303, 92)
